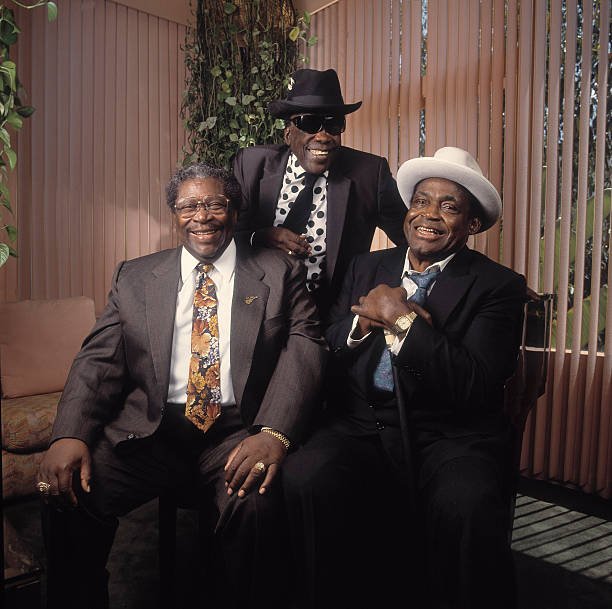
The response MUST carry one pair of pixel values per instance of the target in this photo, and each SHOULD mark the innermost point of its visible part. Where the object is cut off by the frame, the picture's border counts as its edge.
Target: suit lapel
(270, 186)
(450, 287)
(338, 191)
(160, 307)
(248, 307)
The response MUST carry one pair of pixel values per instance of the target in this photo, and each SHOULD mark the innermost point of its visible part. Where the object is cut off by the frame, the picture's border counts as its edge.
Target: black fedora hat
(316, 91)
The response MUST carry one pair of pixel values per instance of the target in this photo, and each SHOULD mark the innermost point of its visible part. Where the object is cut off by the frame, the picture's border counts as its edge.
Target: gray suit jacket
(118, 383)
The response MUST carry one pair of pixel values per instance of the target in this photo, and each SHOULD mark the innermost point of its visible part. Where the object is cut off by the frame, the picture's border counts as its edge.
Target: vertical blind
(94, 158)
(524, 87)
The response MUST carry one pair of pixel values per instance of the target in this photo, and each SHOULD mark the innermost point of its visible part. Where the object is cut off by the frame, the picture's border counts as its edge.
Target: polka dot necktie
(299, 213)
(383, 375)
(204, 384)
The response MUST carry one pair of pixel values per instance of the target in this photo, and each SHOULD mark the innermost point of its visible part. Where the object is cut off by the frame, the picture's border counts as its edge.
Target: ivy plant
(12, 113)
(239, 56)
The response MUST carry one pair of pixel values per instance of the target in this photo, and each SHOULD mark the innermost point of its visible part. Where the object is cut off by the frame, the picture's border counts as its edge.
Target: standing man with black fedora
(311, 196)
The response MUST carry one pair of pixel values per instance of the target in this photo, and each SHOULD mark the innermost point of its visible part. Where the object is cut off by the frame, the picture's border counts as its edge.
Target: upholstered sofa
(38, 341)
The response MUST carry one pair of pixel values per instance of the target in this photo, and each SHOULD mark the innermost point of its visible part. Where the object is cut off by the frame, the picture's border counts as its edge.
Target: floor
(562, 542)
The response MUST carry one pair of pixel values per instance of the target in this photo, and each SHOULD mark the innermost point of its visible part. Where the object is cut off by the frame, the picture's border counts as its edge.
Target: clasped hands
(381, 307)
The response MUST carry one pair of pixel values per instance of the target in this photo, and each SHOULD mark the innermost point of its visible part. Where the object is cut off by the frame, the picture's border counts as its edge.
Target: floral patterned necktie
(204, 385)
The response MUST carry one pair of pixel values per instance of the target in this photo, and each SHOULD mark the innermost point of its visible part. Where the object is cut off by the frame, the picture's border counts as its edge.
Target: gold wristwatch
(403, 322)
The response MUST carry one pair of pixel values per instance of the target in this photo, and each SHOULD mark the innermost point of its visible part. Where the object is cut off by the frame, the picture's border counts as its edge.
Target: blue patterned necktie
(383, 375)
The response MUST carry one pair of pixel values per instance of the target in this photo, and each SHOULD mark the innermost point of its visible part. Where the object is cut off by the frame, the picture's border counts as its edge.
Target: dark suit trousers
(248, 532)
(359, 544)
(345, 511)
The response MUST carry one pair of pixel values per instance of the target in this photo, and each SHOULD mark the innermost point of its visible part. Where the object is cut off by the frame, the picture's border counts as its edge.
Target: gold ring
(43, 487)
(259, 467)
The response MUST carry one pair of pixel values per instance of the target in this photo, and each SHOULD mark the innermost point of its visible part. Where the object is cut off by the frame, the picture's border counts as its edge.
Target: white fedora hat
(459, 166)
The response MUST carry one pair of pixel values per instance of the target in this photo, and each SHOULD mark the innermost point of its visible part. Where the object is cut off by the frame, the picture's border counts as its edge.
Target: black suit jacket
(452, 374)
(118, 383)
(362, 195)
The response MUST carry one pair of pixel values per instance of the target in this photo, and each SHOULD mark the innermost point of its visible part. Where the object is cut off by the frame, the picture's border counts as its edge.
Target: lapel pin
(249, 299)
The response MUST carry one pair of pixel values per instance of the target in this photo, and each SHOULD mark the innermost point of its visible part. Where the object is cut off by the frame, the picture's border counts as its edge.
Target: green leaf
(229, 8)
(11, 232)
(306, 16)
(233, 137)
(230, 101)
(294, 33)
(26, 111)
(8, 67)
(234, 124)
(11, 156)
(5, 136)
(254, 70)
(216, 71)
(247, 99)
(51, 11)
(14, 120)
(4, 253)
(312, 41)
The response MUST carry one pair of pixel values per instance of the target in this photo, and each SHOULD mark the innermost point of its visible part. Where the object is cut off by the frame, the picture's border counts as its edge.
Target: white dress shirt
(222, 275)
(316, 228)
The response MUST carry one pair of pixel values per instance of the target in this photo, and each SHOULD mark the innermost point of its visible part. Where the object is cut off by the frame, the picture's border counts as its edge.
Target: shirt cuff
(351, 343)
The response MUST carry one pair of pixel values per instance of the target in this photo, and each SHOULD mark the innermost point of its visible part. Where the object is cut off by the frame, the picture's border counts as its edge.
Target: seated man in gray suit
(313, 197)
(202, 370)
(450, 321)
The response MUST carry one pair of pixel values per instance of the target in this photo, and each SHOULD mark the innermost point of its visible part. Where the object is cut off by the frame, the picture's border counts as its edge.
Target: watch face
(403, 322)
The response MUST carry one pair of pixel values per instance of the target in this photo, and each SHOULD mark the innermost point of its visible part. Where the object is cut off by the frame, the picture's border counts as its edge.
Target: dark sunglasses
(313, 123)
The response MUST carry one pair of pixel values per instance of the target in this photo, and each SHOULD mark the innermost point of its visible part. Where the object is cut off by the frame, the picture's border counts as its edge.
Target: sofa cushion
(38, 341)
(19, 474)
(27, 422)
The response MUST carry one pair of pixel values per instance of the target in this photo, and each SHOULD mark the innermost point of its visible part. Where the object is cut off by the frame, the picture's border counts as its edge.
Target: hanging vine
(239, 56)
(12, 113)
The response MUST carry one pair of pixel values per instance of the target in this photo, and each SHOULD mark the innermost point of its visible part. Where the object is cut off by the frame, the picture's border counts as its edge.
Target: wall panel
(106, 81)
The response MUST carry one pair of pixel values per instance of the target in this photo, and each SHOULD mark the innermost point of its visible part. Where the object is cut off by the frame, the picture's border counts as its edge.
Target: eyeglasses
(313, 123)
(214, 204)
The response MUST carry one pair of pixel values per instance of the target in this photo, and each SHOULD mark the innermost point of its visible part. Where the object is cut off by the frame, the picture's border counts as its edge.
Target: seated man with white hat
(426, 336)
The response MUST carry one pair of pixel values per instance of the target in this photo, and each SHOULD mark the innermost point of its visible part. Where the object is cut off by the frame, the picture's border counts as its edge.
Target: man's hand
(243, 469)
(382, 306)
(282, 239)
(62, 459)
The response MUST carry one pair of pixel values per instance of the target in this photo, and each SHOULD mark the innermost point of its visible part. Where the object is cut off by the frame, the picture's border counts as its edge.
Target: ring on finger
(259, 467)
(43, 487)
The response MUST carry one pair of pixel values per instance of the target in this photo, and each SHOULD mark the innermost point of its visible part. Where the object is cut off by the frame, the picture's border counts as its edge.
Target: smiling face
(439, 221)
(314, 151)
(205, 235)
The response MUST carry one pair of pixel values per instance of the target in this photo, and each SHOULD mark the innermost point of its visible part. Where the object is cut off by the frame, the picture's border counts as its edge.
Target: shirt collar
(224, 265)
(441, 264)
(298, 170)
